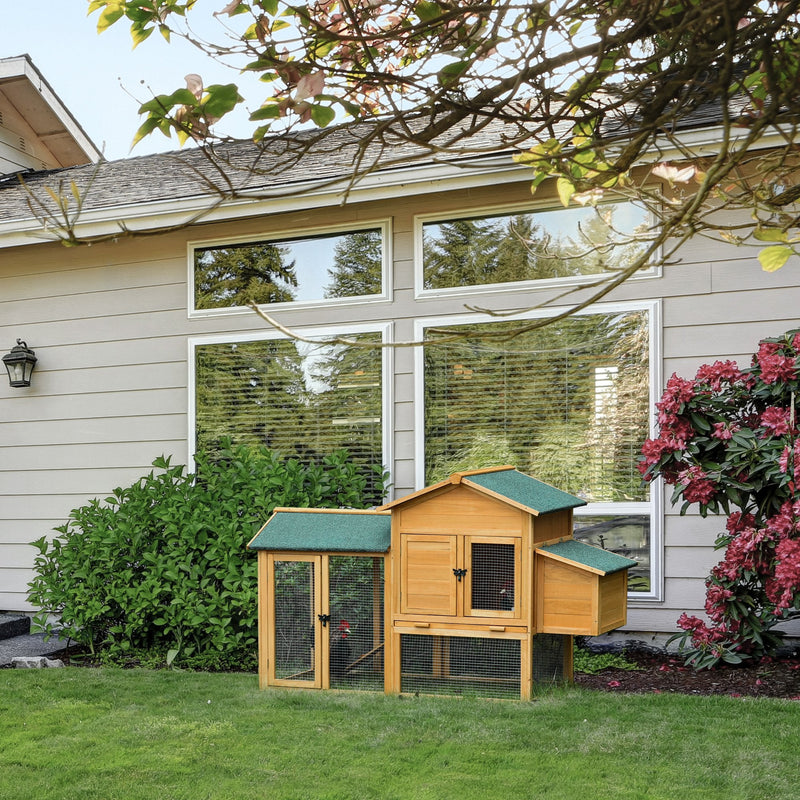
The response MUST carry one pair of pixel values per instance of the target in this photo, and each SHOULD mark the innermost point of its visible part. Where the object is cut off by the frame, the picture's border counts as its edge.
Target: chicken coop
(473, 585)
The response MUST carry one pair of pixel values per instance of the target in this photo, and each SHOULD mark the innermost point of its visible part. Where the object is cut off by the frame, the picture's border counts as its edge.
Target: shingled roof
(507, 484)
(324, 530)
(279, 165)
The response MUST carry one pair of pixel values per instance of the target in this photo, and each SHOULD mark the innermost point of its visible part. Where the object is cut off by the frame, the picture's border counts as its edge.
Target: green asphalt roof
(524, 490)
(589, 556)
(336, 532)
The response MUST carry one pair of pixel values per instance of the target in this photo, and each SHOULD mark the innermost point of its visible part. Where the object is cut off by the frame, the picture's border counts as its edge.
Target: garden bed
(660, 673)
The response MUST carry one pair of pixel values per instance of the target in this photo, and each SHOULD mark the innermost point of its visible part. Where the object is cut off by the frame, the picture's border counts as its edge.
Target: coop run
(472, 586)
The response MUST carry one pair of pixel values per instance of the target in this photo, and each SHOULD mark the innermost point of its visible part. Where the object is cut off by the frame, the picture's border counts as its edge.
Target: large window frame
(653, 508)
(384, 329)
(543, 207)
(286, 235)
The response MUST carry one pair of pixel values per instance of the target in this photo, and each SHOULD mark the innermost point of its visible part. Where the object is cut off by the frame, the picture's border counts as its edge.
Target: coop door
(295, 657)
(356, 626)
(493, 576)
(428, 567)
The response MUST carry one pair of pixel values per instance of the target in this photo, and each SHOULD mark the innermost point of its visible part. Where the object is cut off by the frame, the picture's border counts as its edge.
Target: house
(145, 346)
(472, 584)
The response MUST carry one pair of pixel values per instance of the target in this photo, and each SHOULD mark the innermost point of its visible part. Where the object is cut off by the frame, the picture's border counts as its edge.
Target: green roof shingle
(588, 556)
(524, 490)
(337, 532)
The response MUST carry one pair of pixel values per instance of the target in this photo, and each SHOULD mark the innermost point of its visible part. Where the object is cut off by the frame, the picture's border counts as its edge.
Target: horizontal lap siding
(109, 393)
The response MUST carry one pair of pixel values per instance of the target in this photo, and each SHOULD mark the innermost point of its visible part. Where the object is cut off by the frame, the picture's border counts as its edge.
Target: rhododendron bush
(728, 442)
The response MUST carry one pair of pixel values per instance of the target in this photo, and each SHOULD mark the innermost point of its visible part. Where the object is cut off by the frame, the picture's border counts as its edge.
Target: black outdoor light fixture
(19, 363)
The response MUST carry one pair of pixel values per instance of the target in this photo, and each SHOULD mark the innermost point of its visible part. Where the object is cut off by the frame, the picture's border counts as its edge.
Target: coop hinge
(459, 573)
(324, 619)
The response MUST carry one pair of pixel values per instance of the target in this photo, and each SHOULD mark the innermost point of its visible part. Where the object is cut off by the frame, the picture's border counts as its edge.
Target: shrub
(728, 441)
(162, 565)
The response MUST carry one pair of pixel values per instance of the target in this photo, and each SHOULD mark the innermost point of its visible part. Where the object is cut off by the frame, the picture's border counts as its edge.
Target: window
(327, 266)
(568, 403)
(553, 244)
(300, 400)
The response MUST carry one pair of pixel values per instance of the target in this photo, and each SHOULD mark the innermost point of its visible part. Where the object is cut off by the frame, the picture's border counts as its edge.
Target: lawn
(160, 735)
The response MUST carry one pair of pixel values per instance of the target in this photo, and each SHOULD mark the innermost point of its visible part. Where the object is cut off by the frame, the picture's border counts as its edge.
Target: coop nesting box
(472, 585)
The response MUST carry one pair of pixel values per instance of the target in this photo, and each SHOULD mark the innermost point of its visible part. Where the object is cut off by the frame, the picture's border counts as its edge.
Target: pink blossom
(678, 391)
(698, 488)
(774, 366)
(776, 420)
(724, 430)
(717, 373)
(784, 459)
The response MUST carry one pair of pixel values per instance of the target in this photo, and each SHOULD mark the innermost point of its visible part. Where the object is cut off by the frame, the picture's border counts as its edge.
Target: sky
(99, 77)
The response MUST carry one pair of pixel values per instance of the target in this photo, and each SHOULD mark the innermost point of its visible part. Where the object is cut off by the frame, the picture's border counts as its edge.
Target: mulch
(661, 673)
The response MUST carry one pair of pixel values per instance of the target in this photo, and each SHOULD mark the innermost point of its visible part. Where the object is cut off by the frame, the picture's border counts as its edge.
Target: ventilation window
(460, 665)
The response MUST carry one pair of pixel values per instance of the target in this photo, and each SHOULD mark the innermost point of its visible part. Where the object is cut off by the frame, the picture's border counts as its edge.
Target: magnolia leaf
(770, 235)
(221, 99)
(565, 189)
(146, 128)
(271, 111)
(427, 12)
(108, 16)
(451, 73)
(773, 258)
(322, 115)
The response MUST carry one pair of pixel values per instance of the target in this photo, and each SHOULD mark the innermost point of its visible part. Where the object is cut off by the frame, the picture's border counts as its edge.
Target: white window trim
(385, 295)
(654, 506)
(420, 292)
(386, 331)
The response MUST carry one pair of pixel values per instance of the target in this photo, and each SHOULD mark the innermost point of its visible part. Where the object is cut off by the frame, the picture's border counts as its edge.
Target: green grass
(130, 734)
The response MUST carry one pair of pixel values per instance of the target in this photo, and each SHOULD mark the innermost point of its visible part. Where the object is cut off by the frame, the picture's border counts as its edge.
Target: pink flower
(614, 684)
(724, 430)
(776, 420)
(698, 489)
(774, 366)
(718, 373)
(678, 391)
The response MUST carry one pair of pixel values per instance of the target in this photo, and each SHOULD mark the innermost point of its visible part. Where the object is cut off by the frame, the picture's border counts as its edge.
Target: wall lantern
(19, 363)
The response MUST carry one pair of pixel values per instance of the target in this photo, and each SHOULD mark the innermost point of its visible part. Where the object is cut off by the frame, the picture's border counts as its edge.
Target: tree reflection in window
(287, 270)
(560, 243)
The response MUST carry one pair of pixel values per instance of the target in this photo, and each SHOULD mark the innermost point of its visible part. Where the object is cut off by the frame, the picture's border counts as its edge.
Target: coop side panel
(564, 599)
(613, 602)
(551, 527)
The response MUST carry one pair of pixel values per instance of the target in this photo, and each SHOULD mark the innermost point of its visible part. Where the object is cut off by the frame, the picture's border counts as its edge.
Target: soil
(661, 673)
(658, 672)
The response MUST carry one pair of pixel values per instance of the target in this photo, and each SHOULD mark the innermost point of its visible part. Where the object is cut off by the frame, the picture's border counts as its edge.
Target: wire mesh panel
(549, 656)
(493, 576)
(463, 665)
(294, 621)
(356, 622)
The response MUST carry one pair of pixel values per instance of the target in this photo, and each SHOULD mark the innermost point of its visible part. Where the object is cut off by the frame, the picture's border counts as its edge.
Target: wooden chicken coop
(473, 585)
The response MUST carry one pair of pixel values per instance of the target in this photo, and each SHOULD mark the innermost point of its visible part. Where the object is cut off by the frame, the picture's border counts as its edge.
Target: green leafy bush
(162, 565)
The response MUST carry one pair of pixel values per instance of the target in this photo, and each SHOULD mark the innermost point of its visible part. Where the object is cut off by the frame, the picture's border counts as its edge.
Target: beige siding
(110, 327)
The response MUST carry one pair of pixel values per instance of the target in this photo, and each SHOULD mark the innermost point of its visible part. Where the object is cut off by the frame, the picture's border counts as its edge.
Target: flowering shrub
(728, 442)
